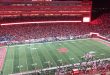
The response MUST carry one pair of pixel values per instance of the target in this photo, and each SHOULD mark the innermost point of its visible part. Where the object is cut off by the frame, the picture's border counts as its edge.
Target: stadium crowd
(37, 31)
(102, 25)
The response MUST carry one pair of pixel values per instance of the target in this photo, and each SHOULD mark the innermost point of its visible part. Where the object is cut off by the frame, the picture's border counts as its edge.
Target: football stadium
(54, 37)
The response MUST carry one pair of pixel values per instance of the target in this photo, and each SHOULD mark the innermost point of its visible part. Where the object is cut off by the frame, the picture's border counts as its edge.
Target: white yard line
(26, 58)
(13, 59)
(52, 58)
(33, 59)
(39, 58)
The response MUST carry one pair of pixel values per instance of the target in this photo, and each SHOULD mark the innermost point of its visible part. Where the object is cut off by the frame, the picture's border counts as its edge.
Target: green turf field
(25, 57)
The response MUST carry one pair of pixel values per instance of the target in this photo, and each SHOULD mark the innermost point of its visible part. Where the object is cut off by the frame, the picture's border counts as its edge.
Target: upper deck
(46, 8)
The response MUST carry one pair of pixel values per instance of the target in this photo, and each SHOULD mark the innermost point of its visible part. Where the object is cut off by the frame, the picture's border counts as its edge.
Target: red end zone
(2, 57)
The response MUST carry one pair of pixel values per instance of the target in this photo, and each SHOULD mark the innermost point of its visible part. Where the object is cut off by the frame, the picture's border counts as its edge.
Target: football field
(28, 57)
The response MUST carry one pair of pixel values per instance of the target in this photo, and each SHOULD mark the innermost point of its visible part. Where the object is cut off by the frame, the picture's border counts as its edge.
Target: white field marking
(61, 55)
(12, 59)
(35, 64)
(102, 54)
(92, 52)
(75, 40)
(51, 56)
(54, 67)
(60, 60)
(26, 60)
(71, 58)
(39, 59)
(47, 62)
(20, 66)
(60, 44)
(55, 55)
(33, 48)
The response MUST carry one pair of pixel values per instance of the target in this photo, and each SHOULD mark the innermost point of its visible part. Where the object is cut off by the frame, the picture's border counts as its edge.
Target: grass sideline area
(28, 57)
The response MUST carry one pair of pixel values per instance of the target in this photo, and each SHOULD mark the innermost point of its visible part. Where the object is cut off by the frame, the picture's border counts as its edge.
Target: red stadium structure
(78, 10)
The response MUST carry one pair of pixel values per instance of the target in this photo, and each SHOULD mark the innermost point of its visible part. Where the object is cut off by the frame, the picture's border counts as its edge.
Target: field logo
(62, 50)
